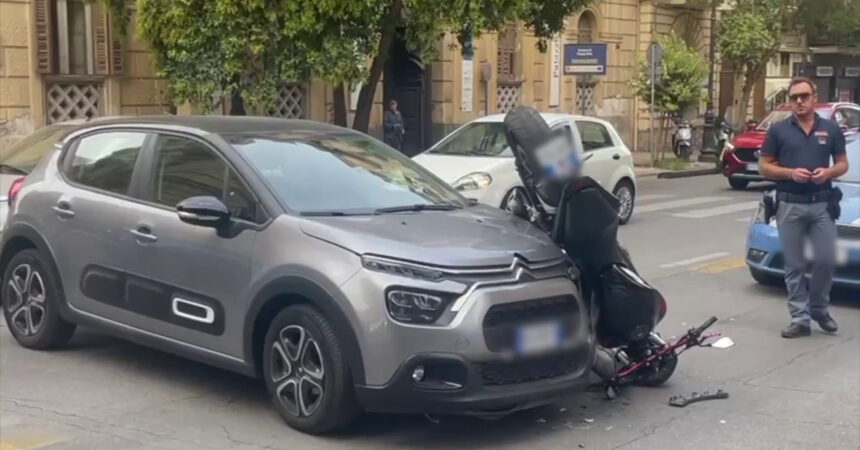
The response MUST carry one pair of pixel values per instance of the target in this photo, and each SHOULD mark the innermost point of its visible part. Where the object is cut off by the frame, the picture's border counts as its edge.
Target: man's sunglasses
(802, 97)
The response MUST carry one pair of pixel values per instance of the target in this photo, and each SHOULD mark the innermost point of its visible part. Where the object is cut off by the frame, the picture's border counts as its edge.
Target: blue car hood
(850, 203)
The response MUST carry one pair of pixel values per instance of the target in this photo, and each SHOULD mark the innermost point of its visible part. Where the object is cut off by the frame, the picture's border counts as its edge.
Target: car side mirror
(204, 211)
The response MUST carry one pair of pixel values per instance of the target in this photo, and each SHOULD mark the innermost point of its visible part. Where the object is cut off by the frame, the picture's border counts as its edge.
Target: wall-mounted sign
(580, 59)
(466, 80)
(844, 94)
(852, 72)
(555, 72)
(824, 71)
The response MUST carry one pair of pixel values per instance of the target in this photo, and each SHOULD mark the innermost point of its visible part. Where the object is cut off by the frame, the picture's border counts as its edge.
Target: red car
(739, 159)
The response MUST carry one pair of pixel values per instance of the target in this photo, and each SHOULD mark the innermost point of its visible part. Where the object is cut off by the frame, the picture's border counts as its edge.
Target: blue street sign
(581, 59)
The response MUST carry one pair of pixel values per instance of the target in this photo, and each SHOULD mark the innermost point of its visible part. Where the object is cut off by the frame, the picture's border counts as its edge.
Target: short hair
(800, 80)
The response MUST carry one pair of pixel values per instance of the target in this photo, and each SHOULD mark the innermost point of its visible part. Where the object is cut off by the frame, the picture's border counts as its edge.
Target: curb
(647, 174)
(689, 173)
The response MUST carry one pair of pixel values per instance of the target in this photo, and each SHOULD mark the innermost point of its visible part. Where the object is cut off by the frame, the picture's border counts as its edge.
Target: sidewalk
(642, 169)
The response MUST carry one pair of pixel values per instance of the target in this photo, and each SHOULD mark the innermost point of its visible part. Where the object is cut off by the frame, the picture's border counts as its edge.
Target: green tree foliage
(749, 34)
(206, 48)
(834, 22)
(684, 72)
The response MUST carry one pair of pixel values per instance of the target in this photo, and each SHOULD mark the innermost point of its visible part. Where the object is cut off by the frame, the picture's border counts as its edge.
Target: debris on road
(682, 401)
(609, 428)
(722, 421)
(432, 419)
(541, 420)
(562, 410)
(589, 420)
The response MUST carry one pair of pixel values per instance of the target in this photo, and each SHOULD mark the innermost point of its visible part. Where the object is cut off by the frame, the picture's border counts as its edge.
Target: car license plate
(843, 249)
(752, 167)
(538, 337)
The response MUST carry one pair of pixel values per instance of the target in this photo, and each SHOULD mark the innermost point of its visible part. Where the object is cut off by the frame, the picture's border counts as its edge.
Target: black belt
(816, 197)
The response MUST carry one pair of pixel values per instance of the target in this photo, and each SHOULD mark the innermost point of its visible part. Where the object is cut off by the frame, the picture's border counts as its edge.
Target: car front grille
(501, 321)
(849, 232)
(746, 154)
(849, 271)
(524, 371)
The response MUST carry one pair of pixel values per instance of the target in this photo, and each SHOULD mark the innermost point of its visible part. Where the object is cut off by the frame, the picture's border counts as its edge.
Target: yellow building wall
(16, 92)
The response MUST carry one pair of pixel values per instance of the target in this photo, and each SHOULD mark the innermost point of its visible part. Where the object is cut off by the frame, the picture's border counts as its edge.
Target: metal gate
(69, 100)
(289, 103)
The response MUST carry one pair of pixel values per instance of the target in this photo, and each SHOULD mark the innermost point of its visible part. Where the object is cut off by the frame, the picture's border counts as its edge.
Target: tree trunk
(749, 83)
(237, 105)
(361, 122)
(339, 97)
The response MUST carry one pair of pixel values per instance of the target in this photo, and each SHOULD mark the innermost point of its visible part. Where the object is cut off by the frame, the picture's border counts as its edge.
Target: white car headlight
(473, 181)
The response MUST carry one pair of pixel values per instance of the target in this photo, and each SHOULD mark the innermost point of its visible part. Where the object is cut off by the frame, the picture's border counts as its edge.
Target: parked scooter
(725, 135)
(582, 218)
(682, 139)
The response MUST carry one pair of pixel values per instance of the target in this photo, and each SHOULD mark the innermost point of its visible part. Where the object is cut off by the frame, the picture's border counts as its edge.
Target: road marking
(717, 211)
(679, 203)
(722, 266)
(29, 442)
(697, 259)
(743, 219)
(649, 197)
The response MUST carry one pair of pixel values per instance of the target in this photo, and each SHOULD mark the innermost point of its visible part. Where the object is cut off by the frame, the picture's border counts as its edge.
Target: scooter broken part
(682, 401)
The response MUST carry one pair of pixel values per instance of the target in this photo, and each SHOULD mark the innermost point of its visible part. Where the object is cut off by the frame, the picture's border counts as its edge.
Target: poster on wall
(466, 81)
(581, 59)
(845, 94)
(555, 75)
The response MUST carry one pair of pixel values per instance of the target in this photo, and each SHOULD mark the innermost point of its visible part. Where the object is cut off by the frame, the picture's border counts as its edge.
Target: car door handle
(64, 210)
(616, 156)
(144, 235)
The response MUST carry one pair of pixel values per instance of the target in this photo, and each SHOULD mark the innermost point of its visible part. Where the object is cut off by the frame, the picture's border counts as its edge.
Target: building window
(73, 37)
(585, 28)
(785, 65)
(506, 53)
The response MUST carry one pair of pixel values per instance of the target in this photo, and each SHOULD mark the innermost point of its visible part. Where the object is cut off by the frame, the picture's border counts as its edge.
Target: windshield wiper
(334, 213)
(418, 207)
(6, 168)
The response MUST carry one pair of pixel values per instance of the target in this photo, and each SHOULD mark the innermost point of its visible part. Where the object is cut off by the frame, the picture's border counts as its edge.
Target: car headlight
(416, 307)
(402, 269)
(761, 217)
(473, 181)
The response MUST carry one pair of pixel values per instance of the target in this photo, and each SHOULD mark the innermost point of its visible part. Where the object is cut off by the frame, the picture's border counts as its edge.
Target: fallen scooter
(582, 218)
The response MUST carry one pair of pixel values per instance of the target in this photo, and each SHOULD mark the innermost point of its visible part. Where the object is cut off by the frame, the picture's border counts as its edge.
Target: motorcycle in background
(582, 218)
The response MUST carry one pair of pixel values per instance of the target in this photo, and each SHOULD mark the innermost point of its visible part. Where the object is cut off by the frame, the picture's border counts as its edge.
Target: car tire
(766, 279)
(736, 183)
(31, 299)
(625, 188)
(306, 374)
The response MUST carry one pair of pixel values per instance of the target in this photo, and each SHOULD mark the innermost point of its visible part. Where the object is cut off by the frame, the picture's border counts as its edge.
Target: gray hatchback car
(314, 257)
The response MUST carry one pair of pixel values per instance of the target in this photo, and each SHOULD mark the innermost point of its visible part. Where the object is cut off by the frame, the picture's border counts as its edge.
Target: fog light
(418, 374)
(756, 256)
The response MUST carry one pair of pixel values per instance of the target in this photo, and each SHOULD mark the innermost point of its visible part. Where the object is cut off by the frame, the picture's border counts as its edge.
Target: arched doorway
(407, 80)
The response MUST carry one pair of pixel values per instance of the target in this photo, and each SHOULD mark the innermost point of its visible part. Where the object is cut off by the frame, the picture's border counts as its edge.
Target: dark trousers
(393, 140)
(801, 224)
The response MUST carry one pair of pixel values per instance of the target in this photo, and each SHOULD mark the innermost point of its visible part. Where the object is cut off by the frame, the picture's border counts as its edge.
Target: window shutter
(44, 51)
(100, 39)
(117, 56)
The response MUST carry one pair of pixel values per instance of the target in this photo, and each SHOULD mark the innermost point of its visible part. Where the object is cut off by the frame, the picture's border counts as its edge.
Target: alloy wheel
(297, 371)
(26, 300)
(625, 197)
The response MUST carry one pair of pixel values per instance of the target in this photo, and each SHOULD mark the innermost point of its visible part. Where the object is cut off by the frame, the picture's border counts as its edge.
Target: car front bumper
(466, 370)
(764, 254)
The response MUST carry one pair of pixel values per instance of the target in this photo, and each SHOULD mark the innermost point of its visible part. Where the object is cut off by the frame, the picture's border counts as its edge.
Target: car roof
(828, 105)
(202, 125)
(548, 117)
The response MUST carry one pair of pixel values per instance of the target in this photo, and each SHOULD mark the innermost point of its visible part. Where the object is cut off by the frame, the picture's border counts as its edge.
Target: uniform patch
(822, 137)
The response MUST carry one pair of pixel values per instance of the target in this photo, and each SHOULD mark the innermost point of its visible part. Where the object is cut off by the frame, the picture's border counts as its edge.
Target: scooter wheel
(651, 377)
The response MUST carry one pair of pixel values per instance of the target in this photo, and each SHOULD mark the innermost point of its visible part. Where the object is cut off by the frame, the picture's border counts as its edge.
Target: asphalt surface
(687, 238)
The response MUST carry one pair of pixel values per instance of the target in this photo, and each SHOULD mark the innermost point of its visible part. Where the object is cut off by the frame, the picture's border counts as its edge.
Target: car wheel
(626, 198)
(306, 372)
(766, 278)
(30, 303)
(736, 183)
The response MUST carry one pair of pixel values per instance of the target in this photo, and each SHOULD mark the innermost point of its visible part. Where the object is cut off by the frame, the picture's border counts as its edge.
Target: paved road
(686, 238)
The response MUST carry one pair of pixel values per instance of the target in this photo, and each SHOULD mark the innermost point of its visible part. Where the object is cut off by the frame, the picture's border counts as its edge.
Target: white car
(476, 160)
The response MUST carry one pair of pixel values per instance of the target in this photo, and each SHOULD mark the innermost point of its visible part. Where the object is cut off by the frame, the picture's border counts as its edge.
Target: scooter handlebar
(704, 326)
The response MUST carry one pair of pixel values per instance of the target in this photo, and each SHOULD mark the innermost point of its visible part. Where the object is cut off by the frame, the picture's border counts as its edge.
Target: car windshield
(852, 149)
(342, 173)
(26, 153)
(475, 139)
(777, 115)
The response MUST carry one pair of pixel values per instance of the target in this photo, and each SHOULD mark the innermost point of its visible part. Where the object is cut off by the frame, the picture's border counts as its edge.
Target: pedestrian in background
(392, 123)
(797, 153)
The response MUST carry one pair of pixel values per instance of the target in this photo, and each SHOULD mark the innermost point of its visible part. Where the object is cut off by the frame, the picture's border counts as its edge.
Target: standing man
(392, 123)
(797, 153)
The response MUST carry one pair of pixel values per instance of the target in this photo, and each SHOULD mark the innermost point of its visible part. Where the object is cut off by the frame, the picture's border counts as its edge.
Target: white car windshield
(852, 150)
(341, 173)
(777, 115)
(475, 139)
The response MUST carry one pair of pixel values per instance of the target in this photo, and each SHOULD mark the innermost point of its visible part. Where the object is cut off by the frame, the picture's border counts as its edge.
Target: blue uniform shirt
(793, 148)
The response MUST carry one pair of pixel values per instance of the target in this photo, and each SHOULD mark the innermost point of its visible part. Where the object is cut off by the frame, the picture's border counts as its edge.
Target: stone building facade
(61, 59)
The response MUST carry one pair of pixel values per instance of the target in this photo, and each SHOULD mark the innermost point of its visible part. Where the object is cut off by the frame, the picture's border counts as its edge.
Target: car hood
(451, 168)
(749, 139)
(472, 237)
(850, 204)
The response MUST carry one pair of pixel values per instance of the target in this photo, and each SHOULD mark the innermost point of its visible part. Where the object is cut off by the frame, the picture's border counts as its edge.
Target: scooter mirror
(723, 342)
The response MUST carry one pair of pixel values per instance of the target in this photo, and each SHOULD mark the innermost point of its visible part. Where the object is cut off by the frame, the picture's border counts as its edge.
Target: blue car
(764, 255)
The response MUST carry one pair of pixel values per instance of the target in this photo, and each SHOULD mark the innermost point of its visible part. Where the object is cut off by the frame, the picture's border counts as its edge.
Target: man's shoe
(796, 330)
(826, 323)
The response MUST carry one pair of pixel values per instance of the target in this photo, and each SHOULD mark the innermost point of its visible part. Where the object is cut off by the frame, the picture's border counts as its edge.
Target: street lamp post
(708, 141)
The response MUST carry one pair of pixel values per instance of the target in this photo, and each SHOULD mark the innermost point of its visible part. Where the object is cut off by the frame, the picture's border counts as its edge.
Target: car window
(475, 139)
(594, 136)
(342, 172)
(774, 117)
(850, 118)
(26, 153)
(105, 161)
(187, 168)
